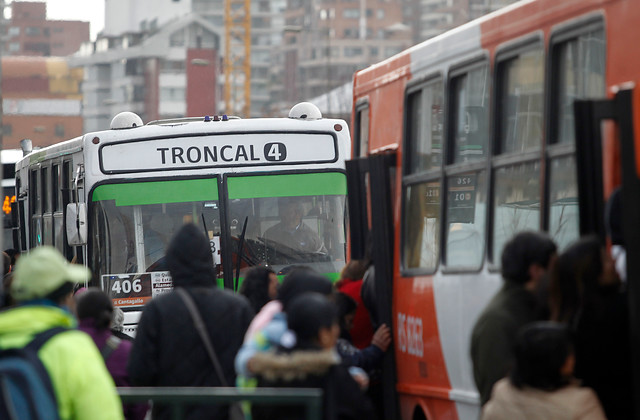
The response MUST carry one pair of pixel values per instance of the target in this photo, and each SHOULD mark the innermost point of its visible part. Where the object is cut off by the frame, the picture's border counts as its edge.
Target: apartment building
(41, 101)
(29, 33)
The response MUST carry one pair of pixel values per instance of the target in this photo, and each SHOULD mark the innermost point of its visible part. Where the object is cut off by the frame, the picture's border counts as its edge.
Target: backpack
(26, 392)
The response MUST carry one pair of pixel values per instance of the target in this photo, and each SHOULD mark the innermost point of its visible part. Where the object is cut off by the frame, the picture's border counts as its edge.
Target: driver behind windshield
(291, 231)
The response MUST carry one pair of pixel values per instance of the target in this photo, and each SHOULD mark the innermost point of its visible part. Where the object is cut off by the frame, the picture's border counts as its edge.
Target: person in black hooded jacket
(167, 350)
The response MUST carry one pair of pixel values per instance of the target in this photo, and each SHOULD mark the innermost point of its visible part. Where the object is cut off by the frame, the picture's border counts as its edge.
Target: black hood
(189, 258)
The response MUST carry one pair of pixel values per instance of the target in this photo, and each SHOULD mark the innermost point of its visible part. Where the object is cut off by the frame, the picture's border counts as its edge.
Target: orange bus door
(588, 117)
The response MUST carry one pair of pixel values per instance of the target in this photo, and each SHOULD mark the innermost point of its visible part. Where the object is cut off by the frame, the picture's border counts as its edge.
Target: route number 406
(126, 286)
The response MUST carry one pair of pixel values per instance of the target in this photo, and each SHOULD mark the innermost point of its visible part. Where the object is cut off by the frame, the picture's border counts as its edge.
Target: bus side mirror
(76, 224)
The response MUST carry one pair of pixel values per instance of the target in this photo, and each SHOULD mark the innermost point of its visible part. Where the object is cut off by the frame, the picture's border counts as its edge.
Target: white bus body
(112, 199)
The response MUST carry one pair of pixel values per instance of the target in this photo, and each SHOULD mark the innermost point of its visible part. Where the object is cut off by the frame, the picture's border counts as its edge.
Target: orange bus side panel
(421, 365)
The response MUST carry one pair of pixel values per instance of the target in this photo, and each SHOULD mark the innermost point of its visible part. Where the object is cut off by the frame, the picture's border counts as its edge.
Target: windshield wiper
(239, 254)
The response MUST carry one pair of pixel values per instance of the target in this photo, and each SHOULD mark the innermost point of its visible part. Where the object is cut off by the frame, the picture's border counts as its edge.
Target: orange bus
(469, 137)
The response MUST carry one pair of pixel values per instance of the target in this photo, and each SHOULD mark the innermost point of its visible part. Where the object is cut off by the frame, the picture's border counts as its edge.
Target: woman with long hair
(260, 286)
(586, 295)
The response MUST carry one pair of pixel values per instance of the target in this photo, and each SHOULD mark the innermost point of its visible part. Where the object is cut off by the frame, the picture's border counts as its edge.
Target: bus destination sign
(134, 290)
(218, 151)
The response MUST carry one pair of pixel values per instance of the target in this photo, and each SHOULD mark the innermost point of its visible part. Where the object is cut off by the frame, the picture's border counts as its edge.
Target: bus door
(369, 186)
(588, 117)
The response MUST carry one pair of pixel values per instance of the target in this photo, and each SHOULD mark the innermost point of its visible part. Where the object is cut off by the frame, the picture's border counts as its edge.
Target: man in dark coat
(167, 350)
(526, 258)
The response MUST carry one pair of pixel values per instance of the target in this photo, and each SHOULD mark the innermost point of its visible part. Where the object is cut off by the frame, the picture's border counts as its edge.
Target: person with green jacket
(43, 289)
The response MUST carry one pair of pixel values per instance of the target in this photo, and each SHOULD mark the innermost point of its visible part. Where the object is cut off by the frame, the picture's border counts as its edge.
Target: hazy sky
(91, 10)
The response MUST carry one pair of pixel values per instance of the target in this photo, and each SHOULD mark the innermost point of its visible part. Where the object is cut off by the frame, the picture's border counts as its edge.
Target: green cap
(43, 271)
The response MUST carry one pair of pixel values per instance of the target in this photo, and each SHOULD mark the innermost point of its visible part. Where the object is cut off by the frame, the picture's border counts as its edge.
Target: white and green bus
(111, 200)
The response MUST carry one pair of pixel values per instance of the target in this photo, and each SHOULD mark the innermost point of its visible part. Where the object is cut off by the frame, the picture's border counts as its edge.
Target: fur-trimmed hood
(295, 366)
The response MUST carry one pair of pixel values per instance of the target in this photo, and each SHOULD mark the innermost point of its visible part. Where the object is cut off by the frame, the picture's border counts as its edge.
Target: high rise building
(41, 101)
(300, 49)
(30, 33)
(167, 72)
(159, 36)
(326, 41)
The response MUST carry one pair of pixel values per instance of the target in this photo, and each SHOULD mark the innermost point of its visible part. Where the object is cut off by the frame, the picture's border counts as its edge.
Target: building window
(14, 31)
(14, 46)
(32, 30)
(177, 39)
(39, 47)
(389, 51)
(7, 130)
(138, 93)
(59, 130)
(352, 51)
(351, 13)
(351, 33)
(172, 94)
(380, 14)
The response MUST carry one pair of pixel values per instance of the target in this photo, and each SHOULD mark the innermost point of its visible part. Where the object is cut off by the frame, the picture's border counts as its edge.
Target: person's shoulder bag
(235, 410)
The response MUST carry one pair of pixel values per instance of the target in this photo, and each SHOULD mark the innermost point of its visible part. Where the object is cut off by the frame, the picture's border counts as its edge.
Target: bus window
(422, 226)
(563, 201)
(424, 128)
(466, 190)
(361, 134)
(290, 219)
(58, 226)
(47, 217)
(66, 189)
(516, 202)
(521, 110)
(581, 76)
(470, 114)
(421, 184)
(516, 194)
(580, 62)
(133, 224)
(36, 209)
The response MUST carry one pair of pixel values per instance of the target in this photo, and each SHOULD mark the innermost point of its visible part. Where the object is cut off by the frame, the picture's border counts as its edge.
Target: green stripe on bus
(291, 185)
(139, 193)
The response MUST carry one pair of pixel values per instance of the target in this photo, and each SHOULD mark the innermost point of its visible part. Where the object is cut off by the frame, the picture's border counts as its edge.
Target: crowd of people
(551, 344)
(294, 333)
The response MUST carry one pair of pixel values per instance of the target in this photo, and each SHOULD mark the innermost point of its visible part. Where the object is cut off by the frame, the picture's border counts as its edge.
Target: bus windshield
(279, 221)
(288, 220)
(132, 224)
